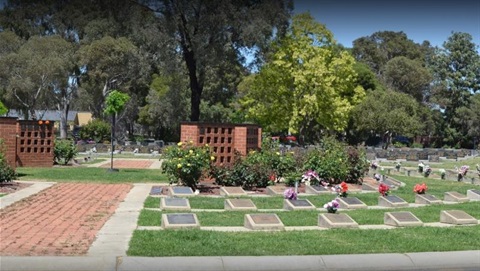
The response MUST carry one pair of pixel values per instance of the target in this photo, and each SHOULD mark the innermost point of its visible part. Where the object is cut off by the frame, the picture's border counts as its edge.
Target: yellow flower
(179, 144)
(179, 165)
(277, 153)
(189, 164)
(206, 145)
(191, 141)
(212, 158)
(191, 151)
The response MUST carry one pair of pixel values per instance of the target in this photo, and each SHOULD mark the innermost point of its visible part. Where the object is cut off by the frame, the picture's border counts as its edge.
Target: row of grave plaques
(271, 222)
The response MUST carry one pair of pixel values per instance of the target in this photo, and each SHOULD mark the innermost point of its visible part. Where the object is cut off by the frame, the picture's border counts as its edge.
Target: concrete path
(26, 192)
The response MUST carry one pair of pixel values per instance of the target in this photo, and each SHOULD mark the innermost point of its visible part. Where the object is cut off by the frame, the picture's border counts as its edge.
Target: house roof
(53, 115)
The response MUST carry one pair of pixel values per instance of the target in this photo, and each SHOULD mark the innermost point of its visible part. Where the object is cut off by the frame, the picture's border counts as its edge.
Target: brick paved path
(61, 220)
(129, 164)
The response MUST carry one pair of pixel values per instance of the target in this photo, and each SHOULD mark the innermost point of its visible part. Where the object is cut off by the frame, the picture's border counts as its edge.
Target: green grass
(328, 242)
(91, 175)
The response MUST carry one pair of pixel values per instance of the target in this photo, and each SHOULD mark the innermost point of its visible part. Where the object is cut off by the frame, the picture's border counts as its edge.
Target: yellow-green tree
(307, 83)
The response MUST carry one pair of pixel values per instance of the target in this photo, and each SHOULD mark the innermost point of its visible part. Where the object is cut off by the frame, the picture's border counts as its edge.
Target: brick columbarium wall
(35, 143)
(8, 132)
(224, 138)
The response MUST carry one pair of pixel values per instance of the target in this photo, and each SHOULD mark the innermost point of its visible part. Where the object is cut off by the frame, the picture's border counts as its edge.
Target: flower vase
(331, 210)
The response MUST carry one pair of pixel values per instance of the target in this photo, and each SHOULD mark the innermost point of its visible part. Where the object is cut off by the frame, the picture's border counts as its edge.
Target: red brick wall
(8, 132)
(35, 143)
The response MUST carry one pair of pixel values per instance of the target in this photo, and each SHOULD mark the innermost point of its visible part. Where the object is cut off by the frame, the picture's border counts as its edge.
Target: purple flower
(290, 194)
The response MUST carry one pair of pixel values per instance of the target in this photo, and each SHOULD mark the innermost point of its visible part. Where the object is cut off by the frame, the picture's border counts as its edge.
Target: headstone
(473, 194)
(454, 196)
(401, 219)
(316, 189)
(457, 217)
(275, 190)
(336, 221)
(434, 158)
(351, 203)
(268, 222)
(174, 204)
(184, 191)
(232, 191)
(239, 204)
(173, 221)
(299, 204)
(392, 201)
(156, 190)
(426, 199)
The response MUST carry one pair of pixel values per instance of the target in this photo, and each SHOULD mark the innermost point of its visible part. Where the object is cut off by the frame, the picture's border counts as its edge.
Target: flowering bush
(420, 188)
(341, 189)
(442, 173)
(310, 177)
(185, 163)
(462, 172)
(383, 189)
(331, 206)
(427, 170)
(290, 194)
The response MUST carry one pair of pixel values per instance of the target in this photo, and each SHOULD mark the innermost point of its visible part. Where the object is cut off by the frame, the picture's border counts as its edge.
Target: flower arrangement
(290, 194)
(383, 189)
(442, 173)
(377, 177)
(427, 170)
(420, 188)
(310, 177)
(398, 165)
(462, 172)
(420, 167)
(341, 189)
(374, 165)
(331, 206)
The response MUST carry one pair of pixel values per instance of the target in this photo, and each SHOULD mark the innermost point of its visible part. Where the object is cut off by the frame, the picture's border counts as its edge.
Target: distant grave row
(432, 155)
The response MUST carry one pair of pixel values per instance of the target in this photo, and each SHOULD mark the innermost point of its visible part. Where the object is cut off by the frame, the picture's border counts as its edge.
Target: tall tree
(306, 82)
(206, 32)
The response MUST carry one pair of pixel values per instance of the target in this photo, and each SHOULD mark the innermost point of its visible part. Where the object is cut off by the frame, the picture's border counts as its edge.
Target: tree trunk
(196, 86)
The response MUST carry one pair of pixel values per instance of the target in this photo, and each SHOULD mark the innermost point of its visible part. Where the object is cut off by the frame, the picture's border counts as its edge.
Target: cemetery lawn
(91, 175)
(188, 242)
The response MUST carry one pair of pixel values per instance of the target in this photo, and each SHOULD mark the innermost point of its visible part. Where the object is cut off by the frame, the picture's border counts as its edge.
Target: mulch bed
(11, 187)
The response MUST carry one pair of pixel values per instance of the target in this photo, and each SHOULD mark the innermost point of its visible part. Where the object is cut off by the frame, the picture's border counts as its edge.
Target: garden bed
(11, 187)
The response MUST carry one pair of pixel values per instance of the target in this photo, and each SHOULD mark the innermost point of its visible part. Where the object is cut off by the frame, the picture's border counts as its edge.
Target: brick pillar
(189, 132)
(240, 139)
(8, 133)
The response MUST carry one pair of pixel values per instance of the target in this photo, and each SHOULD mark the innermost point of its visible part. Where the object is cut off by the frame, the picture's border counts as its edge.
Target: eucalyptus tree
(306, 82)
(208, 32)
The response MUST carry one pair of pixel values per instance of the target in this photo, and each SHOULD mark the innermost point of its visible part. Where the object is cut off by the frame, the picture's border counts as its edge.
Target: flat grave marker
(239, 204)
(316, 189)
(174, 221)
(174, 204)
(276, 190)
(454, 196)
(351, 203)
(156, 190)
(179, 191)
(426, 199)
(457, 217)
(299, 204)
(369, 187)
(392, 201)
(269, 222)
(232, 191)
(401, 219)
(473, 194)
(336, 221)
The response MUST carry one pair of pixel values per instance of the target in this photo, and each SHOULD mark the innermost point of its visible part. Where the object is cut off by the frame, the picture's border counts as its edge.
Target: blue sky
(432, 20)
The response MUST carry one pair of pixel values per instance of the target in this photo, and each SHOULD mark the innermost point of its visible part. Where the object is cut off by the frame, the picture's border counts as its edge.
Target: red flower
(420, 188)
(383, 189)
(344, 187)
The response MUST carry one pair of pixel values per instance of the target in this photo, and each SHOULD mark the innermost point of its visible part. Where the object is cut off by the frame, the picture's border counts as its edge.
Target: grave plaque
(174, 204)
(457, 217)
(156, 190)
(181, 191)
(263, 222)
(426, 199)
(239, 204)
(434, 158)
(401, 219)
(392, 201)
(454, 196)
(180, 221)
(369, 187)
(316, 189)
(473, 194)
(391, 183)
(336, 221)
(299, 204)
(351, 203)
(232, 191)
(275, 190)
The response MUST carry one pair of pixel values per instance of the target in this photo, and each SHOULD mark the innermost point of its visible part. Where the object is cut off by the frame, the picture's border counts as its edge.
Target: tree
(306, 82)
(206, 33)
(114, 103)
(3, 109)
(387, 112)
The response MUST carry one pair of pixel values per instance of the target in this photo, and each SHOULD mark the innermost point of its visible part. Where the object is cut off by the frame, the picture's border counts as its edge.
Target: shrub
(97, 130)
(357, 164)
(64, 151)
(7, 173)
(186, 163)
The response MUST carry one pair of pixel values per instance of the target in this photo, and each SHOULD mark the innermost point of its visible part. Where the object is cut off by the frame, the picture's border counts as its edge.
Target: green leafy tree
(3, 109)
(114, 104)
(305, 82)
